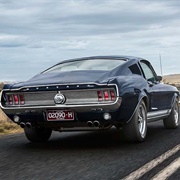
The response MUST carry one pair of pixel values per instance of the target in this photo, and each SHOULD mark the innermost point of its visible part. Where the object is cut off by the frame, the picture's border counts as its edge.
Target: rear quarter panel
(132, 89)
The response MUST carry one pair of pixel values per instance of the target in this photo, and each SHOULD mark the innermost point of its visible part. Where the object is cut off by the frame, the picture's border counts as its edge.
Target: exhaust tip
(96, 123)
(22, 125)
(28, 124)
(89, 123)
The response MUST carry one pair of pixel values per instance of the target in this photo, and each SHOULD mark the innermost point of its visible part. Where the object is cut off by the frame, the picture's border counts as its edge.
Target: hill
(173, 79)
(1, 85)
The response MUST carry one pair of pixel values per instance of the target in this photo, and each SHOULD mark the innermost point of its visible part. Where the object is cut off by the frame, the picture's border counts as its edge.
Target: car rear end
(63, 107)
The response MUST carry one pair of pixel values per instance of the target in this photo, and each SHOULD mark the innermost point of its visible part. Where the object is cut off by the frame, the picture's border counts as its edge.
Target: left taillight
(15, 99)
(100, 96)
(21, 98)
(10, 99)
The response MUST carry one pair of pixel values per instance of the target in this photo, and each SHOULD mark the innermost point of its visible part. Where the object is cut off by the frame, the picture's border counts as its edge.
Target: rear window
(95, 64)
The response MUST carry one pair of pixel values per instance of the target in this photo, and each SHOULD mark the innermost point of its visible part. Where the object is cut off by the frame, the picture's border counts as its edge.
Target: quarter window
(135, 69)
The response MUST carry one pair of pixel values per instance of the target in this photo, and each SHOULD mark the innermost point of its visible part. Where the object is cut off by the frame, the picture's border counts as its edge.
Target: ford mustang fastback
(92, 93)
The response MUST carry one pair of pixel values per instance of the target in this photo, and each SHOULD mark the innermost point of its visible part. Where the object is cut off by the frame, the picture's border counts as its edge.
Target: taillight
(15, 99)
(106, 95)
(100, 97)
(10, 99)
(21, 97)
(112, 93)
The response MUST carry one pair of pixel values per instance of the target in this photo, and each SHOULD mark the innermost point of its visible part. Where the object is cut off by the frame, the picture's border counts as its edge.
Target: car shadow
(112, 138)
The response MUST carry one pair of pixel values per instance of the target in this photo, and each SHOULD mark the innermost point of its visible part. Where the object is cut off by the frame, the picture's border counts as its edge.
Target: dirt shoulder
(173, 79)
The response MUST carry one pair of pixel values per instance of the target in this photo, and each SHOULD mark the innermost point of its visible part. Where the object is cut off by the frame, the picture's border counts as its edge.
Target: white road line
(150, 165)
(168, 171)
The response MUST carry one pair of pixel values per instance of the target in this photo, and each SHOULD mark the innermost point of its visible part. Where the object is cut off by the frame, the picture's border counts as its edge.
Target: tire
(172, 121)
(37, 135)
(136, 129)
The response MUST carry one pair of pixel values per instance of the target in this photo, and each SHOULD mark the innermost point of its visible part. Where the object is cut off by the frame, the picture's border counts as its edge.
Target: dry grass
(173, 79)
(1, 85)
(7, 126)
(3, 117)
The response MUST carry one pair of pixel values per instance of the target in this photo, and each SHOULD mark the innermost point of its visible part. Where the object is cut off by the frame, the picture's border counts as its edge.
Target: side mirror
(159, 78)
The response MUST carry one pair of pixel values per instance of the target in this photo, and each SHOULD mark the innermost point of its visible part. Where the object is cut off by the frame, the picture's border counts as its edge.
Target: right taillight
(106, 95)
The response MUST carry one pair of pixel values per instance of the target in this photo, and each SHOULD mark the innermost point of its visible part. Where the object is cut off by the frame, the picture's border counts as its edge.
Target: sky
(36, 34)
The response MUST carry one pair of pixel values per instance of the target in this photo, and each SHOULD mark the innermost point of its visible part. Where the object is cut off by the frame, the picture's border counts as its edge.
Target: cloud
(10, 41)
(41, 33)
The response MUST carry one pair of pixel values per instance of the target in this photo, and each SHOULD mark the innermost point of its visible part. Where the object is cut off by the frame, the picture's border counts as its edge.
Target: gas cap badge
(59, 99)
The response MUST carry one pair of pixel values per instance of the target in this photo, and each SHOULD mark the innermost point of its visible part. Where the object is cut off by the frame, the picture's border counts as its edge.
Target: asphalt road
(87, 155)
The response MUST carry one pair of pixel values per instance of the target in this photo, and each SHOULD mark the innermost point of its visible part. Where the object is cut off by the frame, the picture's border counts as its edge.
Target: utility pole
(160, 63)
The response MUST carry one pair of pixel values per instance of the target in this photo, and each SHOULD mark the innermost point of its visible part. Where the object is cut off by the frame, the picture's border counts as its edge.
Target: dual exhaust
(93, 123)
(23, 125)
(89, 123)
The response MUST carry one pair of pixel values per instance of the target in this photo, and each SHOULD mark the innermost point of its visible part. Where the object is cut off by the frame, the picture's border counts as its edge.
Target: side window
(135, 69)
(148, 73)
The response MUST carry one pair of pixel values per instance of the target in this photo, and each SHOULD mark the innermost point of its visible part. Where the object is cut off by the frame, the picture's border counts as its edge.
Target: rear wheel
(172, 121)
(136, 129)
(35, 134)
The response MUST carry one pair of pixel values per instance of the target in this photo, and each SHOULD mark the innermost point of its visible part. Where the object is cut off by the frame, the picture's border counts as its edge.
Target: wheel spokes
(176, 114)
(141, 121)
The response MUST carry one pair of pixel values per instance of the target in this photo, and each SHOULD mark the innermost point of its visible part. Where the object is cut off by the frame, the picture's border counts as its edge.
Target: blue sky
(37, 34)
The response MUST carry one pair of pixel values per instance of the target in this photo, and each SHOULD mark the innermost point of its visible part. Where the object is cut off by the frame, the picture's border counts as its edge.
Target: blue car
(92, 93)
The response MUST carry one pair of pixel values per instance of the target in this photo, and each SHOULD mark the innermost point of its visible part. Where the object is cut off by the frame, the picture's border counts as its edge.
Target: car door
(157, 95)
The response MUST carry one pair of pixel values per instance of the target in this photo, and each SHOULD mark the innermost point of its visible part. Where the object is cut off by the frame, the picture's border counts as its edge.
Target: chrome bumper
(77, 108)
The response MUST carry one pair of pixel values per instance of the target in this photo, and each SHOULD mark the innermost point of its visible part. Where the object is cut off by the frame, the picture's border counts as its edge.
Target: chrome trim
(154, 108)
(158, 114)
(77, 108)
(93, 128)
(90, 105)
(154, 114)
(88, 86)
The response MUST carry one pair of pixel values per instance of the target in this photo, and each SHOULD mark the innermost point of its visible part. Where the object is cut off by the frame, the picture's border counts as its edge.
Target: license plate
(59, 115)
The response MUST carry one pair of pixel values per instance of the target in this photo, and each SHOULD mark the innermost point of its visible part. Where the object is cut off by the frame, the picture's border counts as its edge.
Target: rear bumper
(77, 108)
(83, 113)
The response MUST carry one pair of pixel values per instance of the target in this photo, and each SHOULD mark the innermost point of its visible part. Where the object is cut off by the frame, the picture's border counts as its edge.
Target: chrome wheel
(136, 129)
(176, 114)
(142, 121)
(172, 121)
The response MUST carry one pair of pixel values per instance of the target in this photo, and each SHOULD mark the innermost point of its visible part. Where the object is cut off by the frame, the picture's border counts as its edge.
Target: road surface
(92, 155)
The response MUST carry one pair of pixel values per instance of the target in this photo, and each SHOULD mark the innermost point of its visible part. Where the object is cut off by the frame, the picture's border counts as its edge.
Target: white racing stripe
(150, 165)
(168, 171)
